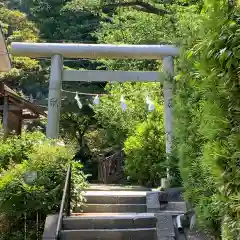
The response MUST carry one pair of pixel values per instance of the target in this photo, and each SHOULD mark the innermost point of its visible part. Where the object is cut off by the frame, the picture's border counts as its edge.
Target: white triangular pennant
(96, 100)
(148, 100)
(78, 101)
(150, 104)
(31, 100)
(123, 104)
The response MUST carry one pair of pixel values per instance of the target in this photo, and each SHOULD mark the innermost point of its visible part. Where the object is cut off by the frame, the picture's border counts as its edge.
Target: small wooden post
(5, 116)
(19, 129)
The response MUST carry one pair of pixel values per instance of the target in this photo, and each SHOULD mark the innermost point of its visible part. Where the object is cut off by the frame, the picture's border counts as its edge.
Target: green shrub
(16, 149)
(41, 197)
(145, 151)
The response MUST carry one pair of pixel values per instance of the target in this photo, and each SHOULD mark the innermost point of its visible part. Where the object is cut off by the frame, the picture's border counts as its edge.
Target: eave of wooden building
(14, 109)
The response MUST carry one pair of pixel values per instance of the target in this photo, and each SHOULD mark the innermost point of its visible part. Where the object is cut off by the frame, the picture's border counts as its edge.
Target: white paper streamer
(150, 104)
(78, 101)
(96, 100)
(123, 104)
(31, 100)
(148, 100)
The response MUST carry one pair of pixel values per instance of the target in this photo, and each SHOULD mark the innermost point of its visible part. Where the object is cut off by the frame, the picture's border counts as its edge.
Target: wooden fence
(110, 169)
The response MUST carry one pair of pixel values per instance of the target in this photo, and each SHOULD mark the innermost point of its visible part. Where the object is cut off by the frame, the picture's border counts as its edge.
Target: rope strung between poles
(96, 99)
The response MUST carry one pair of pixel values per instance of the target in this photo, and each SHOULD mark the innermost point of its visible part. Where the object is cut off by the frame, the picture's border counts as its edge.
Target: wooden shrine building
(14, 109)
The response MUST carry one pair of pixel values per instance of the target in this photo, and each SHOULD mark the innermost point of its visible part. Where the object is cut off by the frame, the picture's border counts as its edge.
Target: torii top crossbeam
(93, 51)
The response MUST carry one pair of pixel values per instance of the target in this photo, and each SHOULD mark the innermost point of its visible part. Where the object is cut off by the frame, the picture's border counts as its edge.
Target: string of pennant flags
(123, 104)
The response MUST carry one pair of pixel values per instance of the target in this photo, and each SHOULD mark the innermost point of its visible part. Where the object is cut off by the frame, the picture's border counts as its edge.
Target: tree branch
(138, 5)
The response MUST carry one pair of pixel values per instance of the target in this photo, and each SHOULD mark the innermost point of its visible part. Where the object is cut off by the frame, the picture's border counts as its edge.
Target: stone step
(112, 208)
(115, 197)
(110, 234)
(109, 187)
(110, 221)
(174, 206)
(171, 194)
(165, 226)
(171, 213)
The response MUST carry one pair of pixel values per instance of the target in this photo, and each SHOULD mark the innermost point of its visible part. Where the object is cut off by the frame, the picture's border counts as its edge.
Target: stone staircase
(122, 213)
(112, 214)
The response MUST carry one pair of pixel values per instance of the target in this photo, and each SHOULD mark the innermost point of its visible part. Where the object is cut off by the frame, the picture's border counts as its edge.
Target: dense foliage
(24, 200)
(145, 160)
(139, 132)
(206, 103)
(207, 120)
(27, 76)
(138, 27)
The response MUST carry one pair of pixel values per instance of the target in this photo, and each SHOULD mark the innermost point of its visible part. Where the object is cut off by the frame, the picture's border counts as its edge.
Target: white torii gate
(5, 66)
(58, 51)
(5, 63)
